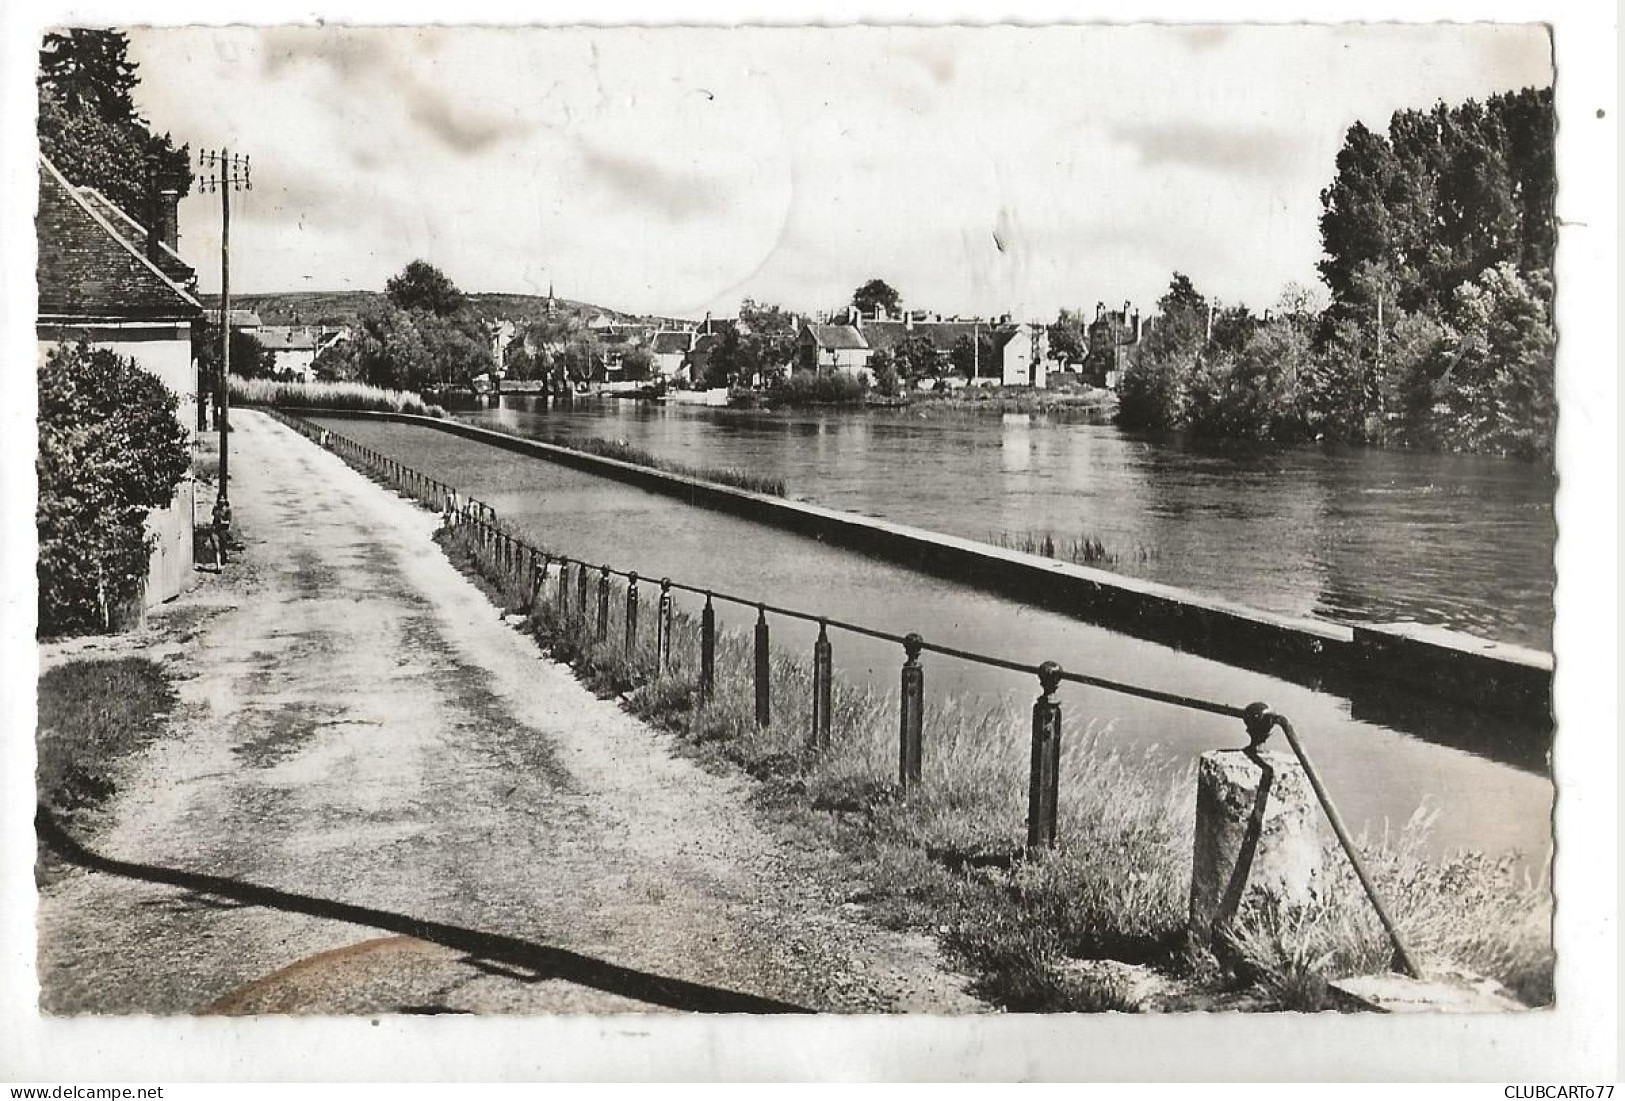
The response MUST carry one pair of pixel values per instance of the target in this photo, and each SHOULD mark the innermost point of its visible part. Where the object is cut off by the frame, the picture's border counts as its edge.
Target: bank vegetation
(1438, 242)
(340, 396)
(946, 858)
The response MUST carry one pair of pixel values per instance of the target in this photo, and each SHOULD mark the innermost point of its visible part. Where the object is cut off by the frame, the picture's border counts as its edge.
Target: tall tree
(1154, 391)
(422, 286)
(767, 338)
(89, 127)
(1069, 337)
(91, 70)
(916, 357)
(1449, 193)
(249, 357)
(877, 293)
(973, 359)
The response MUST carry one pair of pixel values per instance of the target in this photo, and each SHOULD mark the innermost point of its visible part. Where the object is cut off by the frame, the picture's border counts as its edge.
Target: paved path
(378, 798)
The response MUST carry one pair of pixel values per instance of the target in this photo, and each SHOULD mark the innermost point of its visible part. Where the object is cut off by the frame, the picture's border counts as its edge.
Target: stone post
(1256, 838)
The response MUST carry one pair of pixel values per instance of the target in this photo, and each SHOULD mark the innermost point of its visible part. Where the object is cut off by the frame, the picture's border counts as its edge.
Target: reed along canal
(1383, 755)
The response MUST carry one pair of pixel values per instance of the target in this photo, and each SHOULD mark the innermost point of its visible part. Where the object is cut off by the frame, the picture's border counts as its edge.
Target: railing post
(538, 583)
(823, 676)
(564, 589)
(763, 704)
(910, 714)
(581, 591)
(540, 599)
(631, 614)
(1260, 720)
(603, 603)
(663, 628)
(708, 650)
(1044, 790)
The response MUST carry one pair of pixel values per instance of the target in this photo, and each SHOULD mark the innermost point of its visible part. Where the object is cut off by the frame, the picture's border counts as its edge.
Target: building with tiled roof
(105, 279)
(669, 349)
(822, 347)
(850, 345)
(1020, 355)
(698, 360)
(294, 348)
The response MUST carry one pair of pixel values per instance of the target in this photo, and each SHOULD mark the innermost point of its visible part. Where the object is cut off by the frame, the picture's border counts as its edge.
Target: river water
(1383, 756)
(1351, 534)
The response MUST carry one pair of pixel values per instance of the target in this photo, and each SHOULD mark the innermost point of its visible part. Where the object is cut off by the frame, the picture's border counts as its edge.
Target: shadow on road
(542, 961)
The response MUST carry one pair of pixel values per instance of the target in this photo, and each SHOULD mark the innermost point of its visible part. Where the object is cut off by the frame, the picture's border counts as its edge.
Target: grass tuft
(946, 856)
(93, 716)
(1084, 550)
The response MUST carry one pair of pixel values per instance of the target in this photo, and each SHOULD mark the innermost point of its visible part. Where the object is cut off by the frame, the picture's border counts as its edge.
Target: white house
(669, 348)
(294, 348)
(1021, 355)
(106, 279)
(833, 348)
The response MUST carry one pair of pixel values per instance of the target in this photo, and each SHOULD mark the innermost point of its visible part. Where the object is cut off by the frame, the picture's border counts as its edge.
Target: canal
(1384, 757)
(1348, 534)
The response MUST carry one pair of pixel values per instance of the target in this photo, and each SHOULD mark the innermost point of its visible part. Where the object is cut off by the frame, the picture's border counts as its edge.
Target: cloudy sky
(981, 170)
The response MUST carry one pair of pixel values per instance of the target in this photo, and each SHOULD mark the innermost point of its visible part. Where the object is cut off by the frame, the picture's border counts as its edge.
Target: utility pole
(224, 172)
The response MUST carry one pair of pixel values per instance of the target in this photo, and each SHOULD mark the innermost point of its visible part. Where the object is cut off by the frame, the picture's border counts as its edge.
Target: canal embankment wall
(1351, 660)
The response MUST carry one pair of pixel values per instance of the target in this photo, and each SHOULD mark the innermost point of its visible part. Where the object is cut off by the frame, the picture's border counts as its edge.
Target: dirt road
(377, 798)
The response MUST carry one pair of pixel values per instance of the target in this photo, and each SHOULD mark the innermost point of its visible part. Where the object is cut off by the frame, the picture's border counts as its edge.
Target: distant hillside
(343, 307)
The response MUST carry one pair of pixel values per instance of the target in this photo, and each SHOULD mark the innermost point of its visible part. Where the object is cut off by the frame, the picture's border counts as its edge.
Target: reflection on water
(1347, 534)
(1382, 758)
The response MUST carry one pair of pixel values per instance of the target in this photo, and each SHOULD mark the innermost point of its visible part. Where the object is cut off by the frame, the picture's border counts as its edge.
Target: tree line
(1438, 241)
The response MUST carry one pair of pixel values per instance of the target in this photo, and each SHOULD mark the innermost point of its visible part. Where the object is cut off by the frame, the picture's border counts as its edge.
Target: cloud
(351, 55)
(362, 62)
(679, 196)
(456, 127)
(1234, 150)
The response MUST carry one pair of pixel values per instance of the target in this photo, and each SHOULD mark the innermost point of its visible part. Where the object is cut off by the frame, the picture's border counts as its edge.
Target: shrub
(818, 388)
(110, 450)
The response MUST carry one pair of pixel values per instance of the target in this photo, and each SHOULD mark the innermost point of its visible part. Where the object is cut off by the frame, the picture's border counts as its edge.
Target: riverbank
(1086, 403)
(1057, 928)
(1050, 931)
(1366, 664)
(1349, 535)
(374, 797)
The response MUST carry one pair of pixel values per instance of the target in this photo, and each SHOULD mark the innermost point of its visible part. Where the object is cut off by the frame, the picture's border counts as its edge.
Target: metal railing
(513, 558)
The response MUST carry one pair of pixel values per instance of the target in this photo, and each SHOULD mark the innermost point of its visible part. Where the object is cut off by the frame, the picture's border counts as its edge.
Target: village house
(502, 333)
(822, 347)
(669, 349)
(294, 348)
(1021, 355)
(1019, 351)
(1111, 334)
(106, 279)
(707, 337)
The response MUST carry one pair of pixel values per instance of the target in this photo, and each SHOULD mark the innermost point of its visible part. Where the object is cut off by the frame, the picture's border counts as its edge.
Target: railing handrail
(1259, 719)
